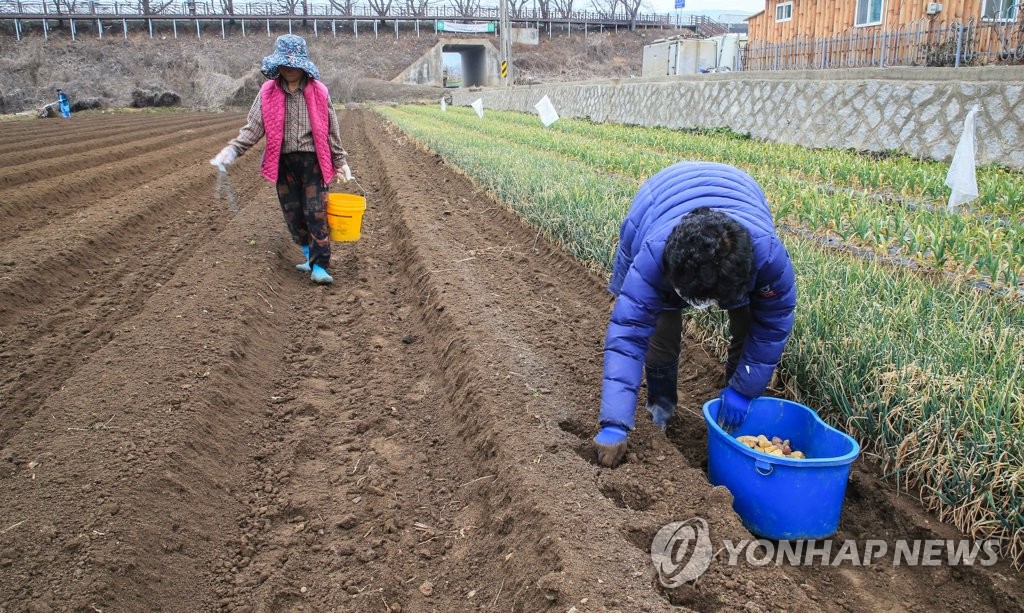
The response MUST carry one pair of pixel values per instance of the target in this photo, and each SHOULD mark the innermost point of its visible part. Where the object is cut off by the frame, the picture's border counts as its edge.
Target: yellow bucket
(345, 216)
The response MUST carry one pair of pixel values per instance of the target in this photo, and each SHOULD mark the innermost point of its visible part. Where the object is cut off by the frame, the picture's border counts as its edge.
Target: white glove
(226, 157)
(347, 172)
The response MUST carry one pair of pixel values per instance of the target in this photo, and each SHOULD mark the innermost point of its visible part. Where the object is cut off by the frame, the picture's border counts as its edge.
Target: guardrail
(338, 10)
(37, 16)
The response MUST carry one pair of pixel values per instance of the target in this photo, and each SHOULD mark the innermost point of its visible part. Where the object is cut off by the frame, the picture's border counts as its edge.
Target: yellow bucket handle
(363, 191)
(357, 185)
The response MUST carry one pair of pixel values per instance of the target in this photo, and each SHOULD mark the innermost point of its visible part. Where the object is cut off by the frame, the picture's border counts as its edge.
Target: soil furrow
(104, 153)
(76, 247)
(59, 156)
(59, 134)
(61, 307)
(26, 208)
(83, 124)
(137, 457)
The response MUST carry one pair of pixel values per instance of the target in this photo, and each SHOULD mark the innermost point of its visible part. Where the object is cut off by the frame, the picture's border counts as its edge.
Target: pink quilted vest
(272, 103)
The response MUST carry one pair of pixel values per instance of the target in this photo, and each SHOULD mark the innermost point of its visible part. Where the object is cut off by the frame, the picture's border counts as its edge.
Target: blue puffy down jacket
(642, 290)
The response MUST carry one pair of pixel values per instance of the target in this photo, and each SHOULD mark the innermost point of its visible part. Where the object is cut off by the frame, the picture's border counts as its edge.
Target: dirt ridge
(119, 146)
(512, 509)
(135, 440)
(58, 195)
(78, 314)
(60, 140)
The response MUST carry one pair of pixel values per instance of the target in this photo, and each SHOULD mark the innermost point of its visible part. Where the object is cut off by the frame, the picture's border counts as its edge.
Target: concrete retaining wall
(525, 36)
(919, 111)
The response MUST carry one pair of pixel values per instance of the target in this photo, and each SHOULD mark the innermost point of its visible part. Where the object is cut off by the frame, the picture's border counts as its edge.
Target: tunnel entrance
(471, 63)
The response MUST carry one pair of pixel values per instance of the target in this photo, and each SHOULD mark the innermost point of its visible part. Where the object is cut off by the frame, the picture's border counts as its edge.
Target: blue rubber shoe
(304, 267)
(320, 275)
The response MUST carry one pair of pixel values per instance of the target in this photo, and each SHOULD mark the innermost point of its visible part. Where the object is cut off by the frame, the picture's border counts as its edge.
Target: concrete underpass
(479, 59)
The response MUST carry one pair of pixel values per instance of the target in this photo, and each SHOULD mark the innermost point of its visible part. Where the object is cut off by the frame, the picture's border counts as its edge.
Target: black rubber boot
(662, 392)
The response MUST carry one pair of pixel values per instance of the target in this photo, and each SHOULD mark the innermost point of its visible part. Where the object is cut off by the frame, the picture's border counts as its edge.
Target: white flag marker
(547, 112)
(962, 178)
(478, 106)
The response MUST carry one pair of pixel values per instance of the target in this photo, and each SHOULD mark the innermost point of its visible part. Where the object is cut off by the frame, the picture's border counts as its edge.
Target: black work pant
(664, 346)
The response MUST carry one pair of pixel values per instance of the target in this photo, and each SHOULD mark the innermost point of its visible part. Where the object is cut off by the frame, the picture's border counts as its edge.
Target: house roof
(754, 15)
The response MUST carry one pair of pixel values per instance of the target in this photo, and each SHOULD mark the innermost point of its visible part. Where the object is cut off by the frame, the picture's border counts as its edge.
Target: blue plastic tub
(775, 497)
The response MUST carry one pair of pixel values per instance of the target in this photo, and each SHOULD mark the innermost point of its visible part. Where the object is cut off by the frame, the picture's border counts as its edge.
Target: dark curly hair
(709, 255)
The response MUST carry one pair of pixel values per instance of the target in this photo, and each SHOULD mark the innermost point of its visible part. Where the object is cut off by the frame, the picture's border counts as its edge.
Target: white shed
(680, 55)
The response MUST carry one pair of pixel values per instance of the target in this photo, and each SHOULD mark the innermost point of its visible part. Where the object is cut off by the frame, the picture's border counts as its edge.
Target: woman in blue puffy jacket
(697, 234)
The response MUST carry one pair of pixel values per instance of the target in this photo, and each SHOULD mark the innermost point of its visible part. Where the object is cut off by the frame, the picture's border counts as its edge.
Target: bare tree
(563, 8)
(290, 6)
(148, 7)
(632, 9)
(64, 6)
(381, 7)
(544, 8)
(417, 7)
(227, 7)
(345, 7)
(466, 8)
(607, 8)
(518, 8)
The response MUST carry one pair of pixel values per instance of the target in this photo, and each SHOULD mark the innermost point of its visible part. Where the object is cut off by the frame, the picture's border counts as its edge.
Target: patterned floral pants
(303, 196)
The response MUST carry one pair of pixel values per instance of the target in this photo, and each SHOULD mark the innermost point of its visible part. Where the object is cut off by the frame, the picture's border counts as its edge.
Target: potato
(775, 446)
(749, 441)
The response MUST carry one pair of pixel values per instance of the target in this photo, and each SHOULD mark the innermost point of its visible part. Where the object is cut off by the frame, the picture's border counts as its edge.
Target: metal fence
(53, 9)
(922, 43)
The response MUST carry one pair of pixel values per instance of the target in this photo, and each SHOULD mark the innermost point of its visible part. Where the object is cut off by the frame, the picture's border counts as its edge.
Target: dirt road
(188, 424)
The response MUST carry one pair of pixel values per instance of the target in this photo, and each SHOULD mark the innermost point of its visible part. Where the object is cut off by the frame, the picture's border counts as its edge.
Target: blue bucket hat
(289, 50)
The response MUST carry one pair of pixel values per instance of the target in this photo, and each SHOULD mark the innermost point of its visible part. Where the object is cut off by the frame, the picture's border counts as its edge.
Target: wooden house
(785, 20)
(975, 30)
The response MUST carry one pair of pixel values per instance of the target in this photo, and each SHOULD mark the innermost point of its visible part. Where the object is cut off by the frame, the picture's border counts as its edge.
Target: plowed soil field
(188, 424)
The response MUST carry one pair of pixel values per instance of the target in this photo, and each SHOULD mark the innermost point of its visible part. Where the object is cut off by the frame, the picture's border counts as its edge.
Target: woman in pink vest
(303, 153)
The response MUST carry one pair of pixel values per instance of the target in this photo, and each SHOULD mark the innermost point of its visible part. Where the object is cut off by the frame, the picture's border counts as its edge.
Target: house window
(999, 10)
(784, 11)
(869, 12)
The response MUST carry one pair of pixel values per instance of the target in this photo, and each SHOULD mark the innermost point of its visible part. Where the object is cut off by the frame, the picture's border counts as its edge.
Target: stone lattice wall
(916, 111)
